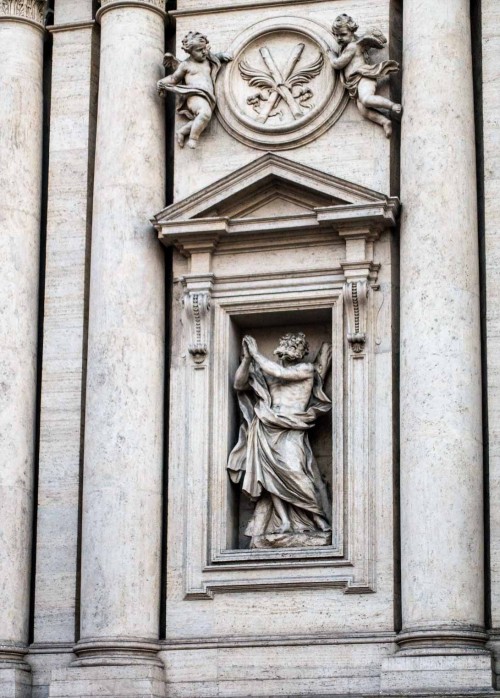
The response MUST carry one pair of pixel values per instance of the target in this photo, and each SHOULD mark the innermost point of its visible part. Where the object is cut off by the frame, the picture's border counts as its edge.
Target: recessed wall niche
(267, 328)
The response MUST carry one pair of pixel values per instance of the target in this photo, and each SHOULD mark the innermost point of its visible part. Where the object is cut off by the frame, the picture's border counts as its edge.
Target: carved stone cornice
(155, 5)
(28, 10)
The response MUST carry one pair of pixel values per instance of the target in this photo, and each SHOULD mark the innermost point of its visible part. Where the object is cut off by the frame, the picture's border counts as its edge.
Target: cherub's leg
(183, 132)
(376, 117)
(370, 100)
(201, 108)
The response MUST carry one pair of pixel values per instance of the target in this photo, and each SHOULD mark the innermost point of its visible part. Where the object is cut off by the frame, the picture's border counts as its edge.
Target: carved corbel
(356, 296)
(197, 303)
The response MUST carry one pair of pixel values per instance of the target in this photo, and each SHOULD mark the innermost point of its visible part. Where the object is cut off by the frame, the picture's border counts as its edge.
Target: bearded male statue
(273, 459)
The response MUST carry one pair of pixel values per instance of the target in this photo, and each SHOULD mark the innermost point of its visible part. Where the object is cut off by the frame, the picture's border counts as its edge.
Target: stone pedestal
(21, 63)
(124, 681)
(122, 491)
(442, 564)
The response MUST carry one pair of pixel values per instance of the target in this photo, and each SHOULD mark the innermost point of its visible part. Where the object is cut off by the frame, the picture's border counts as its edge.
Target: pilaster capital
(155, 5)
(24, 10)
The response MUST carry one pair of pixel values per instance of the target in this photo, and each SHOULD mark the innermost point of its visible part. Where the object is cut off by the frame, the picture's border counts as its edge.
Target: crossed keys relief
(281, 90)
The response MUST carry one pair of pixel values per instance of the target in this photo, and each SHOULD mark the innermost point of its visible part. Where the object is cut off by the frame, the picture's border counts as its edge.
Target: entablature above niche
(274, 200)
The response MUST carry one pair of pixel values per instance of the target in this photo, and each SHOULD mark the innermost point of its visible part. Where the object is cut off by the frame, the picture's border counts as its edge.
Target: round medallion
(280, 90)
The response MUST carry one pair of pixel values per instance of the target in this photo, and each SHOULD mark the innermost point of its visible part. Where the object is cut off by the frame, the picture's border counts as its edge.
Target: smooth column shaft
(69, 216)
(441, 450)
(121, 545)
(21, 123)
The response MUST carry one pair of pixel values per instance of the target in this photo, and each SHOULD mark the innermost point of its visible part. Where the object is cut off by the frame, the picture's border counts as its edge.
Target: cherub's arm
(323, 360)
(178, 75)
(339, 62)
(294, 373)
(223, 57)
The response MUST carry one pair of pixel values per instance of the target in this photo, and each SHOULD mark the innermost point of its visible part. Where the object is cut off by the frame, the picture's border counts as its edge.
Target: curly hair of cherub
(192, 39)
(344, 21)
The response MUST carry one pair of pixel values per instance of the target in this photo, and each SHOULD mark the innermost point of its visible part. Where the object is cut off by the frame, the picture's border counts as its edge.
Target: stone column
(442, 565)
(74, 76)
(21, 132)
(123, 461)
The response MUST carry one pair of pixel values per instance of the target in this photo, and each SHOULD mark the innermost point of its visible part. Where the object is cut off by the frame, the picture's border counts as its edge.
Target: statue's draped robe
(352, 78)
(186, 91)
(273, 456)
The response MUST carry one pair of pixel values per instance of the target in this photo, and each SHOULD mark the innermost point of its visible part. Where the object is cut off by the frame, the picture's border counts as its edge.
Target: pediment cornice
(327, 203)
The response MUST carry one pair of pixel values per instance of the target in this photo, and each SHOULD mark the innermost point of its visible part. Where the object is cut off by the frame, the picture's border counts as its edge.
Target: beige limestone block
(124, 408)
(21, 55)
(72, 12)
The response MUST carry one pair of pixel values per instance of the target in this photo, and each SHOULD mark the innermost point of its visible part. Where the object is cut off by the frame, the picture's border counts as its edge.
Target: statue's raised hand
(251, 345)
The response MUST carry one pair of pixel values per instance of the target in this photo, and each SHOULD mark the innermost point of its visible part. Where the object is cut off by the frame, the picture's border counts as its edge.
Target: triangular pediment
(270, 187)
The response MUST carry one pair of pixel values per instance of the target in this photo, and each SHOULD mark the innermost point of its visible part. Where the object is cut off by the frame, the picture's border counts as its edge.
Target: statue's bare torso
(288, 394)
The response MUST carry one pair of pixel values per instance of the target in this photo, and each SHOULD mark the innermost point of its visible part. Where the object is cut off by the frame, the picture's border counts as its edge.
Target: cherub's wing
(372, 39)
(255, 77)
(308, 72)
(170, 61)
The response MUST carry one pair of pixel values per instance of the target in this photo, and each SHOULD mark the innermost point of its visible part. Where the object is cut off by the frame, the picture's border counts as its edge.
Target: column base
(135, 681)
(15, 682)
(423, 673)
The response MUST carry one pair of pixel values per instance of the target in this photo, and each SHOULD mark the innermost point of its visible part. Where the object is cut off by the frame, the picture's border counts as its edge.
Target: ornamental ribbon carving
(25, 9)
(356, 296)
(197, 307)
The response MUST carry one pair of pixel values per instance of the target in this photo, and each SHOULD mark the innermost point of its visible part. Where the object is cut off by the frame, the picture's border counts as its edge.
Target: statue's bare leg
(203, 113)
(367, 96)
(376, 117)
(280, 507)
(182, 133)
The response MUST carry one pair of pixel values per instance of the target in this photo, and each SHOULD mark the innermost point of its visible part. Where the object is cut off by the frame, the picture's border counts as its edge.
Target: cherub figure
(194, 81)
(358, 75)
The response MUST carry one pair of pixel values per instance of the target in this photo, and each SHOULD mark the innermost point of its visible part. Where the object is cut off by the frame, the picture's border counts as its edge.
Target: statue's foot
(388, 129)
(180, 138)
(397, 109)
(192, 143)
(284, 528)
(322, 524)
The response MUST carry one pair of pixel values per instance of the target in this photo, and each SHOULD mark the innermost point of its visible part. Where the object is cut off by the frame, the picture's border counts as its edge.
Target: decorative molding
(31, 10)
(71, 26)
(13, 654)
(361, 638)
(116, 651)
(451, 636)
(218, 8)
(356, 297)
(158, 6)
(197, 304)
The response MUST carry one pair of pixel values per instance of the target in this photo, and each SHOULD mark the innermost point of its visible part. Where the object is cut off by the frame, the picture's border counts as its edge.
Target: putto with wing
(280, 89)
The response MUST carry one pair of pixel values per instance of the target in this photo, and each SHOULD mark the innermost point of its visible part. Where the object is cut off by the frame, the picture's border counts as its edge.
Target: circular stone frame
(293, 134)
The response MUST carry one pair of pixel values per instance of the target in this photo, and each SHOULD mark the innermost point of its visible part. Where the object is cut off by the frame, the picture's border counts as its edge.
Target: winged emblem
(276, 87)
